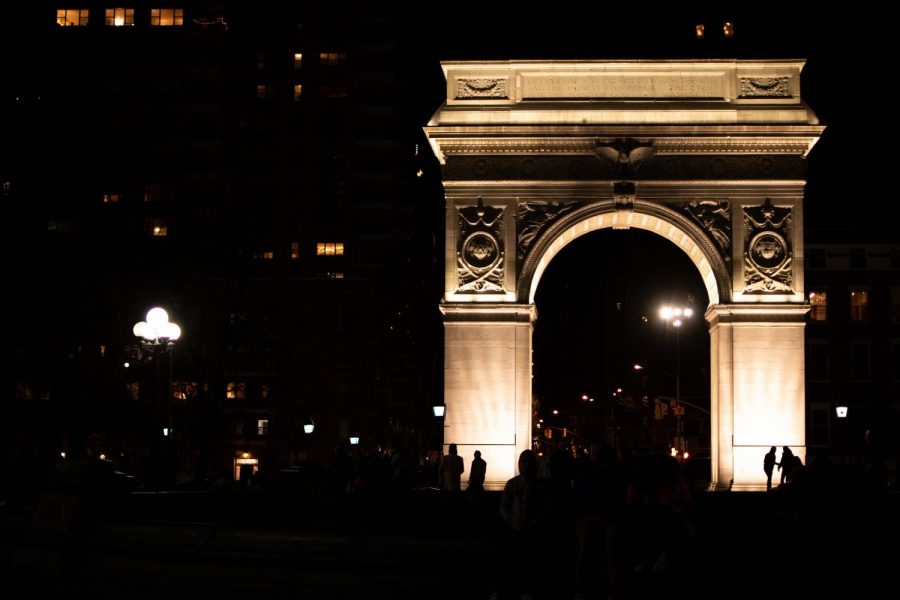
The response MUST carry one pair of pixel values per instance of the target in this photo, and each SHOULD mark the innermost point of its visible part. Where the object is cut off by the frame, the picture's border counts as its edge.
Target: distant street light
(438, 410)
(158, 334)
(841, 411)
(354, 440)
(309, 427)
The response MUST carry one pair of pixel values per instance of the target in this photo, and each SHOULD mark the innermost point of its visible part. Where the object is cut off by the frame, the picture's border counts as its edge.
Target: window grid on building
(859, 305)
(235, 390)
(166, 17)
(119, 17)
(332, 59)
(330, 249)
(262, 427)
(71, 17)
(818, 306)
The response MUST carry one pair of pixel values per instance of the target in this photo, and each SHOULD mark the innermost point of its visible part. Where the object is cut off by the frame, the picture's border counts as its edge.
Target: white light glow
(665, 313)
(841, 412)
(438, 410)
(157, 317)
(309, 428)
(354, 440)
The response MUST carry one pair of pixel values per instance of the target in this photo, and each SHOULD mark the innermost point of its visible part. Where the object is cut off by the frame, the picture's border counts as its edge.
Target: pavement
(420, 544)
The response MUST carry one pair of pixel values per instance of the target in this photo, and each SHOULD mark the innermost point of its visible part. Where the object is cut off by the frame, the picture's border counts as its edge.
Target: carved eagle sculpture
(626, 154)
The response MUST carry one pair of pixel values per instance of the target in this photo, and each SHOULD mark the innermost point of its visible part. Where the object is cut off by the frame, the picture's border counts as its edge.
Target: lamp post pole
(159, 334)
(676, 315)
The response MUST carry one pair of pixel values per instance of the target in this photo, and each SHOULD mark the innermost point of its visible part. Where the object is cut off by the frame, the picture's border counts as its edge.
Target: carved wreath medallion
(768, 262)
(479, 255)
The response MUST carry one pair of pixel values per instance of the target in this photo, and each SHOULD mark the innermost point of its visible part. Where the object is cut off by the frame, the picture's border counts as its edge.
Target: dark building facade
(244, 167)
(853, 345)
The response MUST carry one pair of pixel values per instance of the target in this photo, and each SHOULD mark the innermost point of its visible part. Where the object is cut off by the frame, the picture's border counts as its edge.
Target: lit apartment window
(262, 427)
(184, 390)
(263, 91)
(235, 390)
(818, 306)
(71, 17)
(700, 31)
(133, 391)
(295, 250)
(298, 60)
(166, 17)
(859, 305)
(158, 228)
(264, 255)
(111, 198)
(330, 249)
(728, 29)
(102, 351)
(332, 58)
(119, 17)
(298, 90)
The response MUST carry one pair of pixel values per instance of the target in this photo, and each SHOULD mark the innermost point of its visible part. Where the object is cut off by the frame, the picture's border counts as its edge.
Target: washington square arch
(707, 154)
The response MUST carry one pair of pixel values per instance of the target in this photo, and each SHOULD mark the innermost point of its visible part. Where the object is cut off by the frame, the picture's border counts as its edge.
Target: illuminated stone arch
(647, 216)
(708, 154)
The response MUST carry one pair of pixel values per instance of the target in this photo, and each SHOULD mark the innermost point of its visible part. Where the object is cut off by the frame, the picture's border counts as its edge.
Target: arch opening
(598, 315)
(644, 215)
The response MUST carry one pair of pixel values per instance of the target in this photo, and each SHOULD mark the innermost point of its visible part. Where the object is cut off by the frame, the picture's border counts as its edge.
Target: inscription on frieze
(479, 255)
(623, 86)
(767, 249)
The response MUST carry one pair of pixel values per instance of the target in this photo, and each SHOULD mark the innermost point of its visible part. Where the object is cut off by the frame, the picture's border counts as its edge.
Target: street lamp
(159, 334)
(676, 315)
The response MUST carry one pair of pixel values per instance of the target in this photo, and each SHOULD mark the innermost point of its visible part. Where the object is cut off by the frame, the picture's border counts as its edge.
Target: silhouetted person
(450, 470)
(477, 473)
(787, 463)
(769, 467)
(525, 506)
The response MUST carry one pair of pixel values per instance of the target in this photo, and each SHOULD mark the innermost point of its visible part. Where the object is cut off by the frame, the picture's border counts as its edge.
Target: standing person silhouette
(450, 470)
(477, 473)
(769, 467)
(787, 462)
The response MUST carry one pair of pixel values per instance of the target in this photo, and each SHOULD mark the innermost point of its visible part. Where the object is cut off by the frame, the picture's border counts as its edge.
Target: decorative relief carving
(500, 167)
(765, 87)
(714, 216)
(479, 255)
(533, 217)
(482, 87)
(768, 257)
(626, 154)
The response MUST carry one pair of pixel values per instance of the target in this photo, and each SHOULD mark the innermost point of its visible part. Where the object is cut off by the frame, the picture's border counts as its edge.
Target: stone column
(487, 384)
(758, 393)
